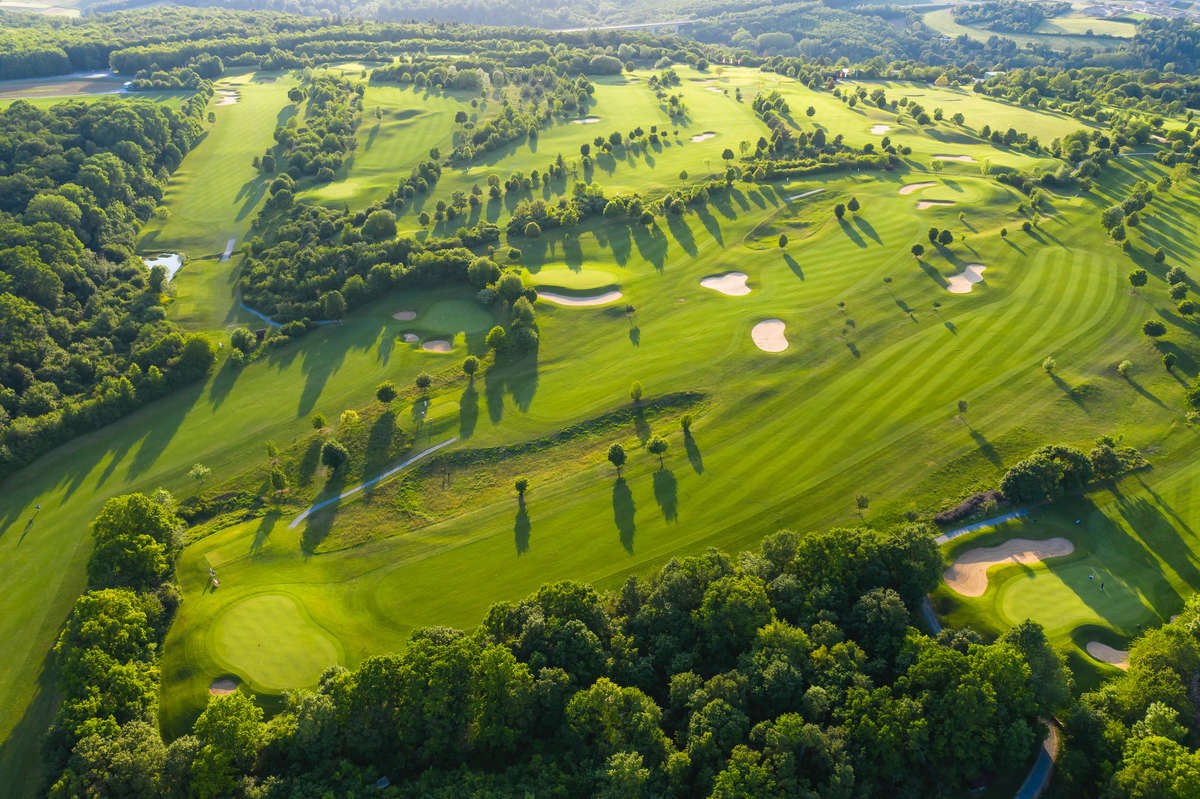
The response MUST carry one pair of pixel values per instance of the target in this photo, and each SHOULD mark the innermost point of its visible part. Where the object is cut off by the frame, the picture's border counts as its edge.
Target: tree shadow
(379, 445)
(932, 273)
(693, 452)
(867, 228)
(222, 384)
(1065, 388)
(163, 431)
(265, 525)
(851, 233)
(641, 427)
(711, 225)
(318, 525)
(468, 411)
(623, 510)
(986, 449)
(666, 494)
(1136, 386)
(635, 336)
(306, 469)
(1013, 244)
(521, 527)
(793, 265)
(682, 233)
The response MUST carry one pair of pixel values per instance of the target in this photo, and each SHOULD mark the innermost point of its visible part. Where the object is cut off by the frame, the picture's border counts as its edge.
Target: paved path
(1043, 767)
(805, 194)
(371, 482)
(228, 249)
(970, 528)
(930, 617)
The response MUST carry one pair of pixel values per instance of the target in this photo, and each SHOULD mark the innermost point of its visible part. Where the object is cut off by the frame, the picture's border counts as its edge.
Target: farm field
(861, 400)
(1058, 33)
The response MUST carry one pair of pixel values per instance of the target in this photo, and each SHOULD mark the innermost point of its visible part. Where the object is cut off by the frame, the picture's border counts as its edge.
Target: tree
(727, 154)
(616, 456)
(380, 225)
(1168, 360)
(1004, 233)
(658, 446)
(134, 540)
(244, 340)
(1123, 368)
(945, 237)
(839, 210)
(533, 230)
(334, 454)
(318, 421)
(521, 485)
(1027, 226)
(783, 240)
(199, 472)
(1154, 328)
(861, 502)
(333, 305)
(1160, 255)
(933, 235)
(918, 250)
(962, 408)
(853, 205)
(470, 366)
(1138, 278)
(635, 391)
(424, 381)
(685, 423)
(495, 338)
(349, 418)
(1049, 364)
(386, 392)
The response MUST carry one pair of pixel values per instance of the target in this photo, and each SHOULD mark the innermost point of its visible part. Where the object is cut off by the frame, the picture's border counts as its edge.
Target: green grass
(1058, 33)
(862, 402)
(273, 642)
(214, 196)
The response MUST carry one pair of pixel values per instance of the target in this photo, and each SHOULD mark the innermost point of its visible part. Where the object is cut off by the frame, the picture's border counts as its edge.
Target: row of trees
(792, 670)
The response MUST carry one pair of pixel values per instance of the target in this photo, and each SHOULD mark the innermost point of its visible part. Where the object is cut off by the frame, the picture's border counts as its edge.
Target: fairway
(849, 419)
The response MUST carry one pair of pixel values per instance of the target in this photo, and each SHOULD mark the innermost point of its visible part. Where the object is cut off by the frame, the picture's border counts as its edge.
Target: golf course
(794, 351)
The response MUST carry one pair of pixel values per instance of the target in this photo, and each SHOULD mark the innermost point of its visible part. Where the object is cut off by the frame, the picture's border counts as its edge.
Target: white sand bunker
(911, 187)
(964, 280)
(404, 316)
(768, 335)
(226, 97)
(1107, 654)
(730, 283)
(924, 204)
(223, 686)
(171, 261)
(411, 338)
(968, 574)
(580, 300)
(880, 129)
(965, 159)
(708, 134)
(585, 121)
(715, 89)
(436, 345)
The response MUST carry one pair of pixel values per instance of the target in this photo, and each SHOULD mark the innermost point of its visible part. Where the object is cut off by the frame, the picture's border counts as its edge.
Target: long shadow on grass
(711, 225)
(264, 529)
(651, 244)
(1136, 386)
(623, 510)
(166, 424)
(666, 494)
(682, 233)
(693, 452)
(468, 411)
(867, 228)
(851, 233)
(1066, 388)
(794, 265)
(986, 449)
(521, 527)
(307, 468)
(933, 274)
(318, 525)
(222, 384)
(379, 445)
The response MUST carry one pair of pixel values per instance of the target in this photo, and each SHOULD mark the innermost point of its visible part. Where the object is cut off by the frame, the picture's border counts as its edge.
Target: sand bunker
(708, 134)
(585, 121)
(223, 686)
(404, 316)
(964, 280)
(437, 345)
(171, 261)
(768, 335)
(911, 187)
(968, 574)
(579, 300)
(226, 97)
(965, 159)
(730, 283)
(715, 89)
(879, 129)
(1106, 654)
(411, 338)
(924, 204)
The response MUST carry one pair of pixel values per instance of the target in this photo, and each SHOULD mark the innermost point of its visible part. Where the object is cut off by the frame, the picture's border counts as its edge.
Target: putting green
(271, 641)
(574, 279)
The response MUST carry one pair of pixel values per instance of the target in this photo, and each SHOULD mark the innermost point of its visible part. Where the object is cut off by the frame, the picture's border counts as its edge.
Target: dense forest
(793, 670)
(1008, 16)
(83, 338)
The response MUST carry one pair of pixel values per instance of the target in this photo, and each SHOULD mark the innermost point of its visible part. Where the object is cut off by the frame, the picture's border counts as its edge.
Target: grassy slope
(817, 424)
(214, 197)
(1108, 34)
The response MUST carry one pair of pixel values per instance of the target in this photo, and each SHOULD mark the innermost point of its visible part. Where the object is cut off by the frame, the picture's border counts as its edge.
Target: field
(1058, 32)
(862, 401)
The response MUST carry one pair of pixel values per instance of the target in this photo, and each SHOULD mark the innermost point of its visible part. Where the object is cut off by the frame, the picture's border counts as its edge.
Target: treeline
(318, 146)
(106, 657)
(793, 670)
(189, 78)
(1008, 16)
(83, 338)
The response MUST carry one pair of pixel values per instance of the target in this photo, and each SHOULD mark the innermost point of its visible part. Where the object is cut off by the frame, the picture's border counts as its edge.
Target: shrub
(1154, 328)
(334, 454)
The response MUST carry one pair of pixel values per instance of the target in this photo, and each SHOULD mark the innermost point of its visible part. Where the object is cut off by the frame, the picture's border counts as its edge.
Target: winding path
(970, 528)
(1043, 767)
(371, 482)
